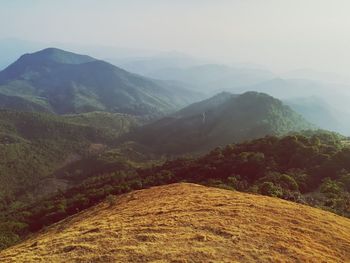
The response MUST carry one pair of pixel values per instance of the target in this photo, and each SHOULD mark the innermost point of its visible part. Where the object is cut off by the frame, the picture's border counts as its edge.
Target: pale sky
(281, 34)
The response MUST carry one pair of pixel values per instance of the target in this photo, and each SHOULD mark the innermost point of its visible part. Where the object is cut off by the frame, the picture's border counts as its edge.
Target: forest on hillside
(310, 168)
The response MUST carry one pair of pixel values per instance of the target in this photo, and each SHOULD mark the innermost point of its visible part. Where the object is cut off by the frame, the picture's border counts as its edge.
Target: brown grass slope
(191, 223)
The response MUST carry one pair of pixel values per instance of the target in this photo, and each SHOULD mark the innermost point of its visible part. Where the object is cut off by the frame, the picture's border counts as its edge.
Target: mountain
(221, 120)
(334, 94)
(307, 73)
(63, 82)
(145, 65)
(12, 48)
(324, 104)
(319, 112)
(187, 222)
(285, 88)
(214, 77)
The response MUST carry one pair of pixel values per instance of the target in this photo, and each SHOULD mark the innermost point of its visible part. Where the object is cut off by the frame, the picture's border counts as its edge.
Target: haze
(282, 35)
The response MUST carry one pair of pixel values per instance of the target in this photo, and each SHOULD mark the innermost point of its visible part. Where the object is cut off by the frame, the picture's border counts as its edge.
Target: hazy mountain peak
(55, 55)
(252, 96)
(65, 82)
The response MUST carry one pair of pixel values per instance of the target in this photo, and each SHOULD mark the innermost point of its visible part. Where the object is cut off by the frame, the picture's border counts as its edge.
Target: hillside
(311, 169)
(188, 222)
(21, 104)
(320, 112)
(64, 82)
(113, 123)
(220, 120)
(35, 145)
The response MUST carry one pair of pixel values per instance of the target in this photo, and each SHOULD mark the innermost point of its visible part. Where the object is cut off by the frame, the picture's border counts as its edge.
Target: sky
(281, 34)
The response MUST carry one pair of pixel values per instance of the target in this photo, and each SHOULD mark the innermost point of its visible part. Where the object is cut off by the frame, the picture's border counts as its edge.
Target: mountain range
(300, 86)
(63, 82)
(211, 78)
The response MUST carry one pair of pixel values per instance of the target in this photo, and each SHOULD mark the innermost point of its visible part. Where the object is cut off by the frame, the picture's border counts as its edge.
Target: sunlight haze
(282, 35)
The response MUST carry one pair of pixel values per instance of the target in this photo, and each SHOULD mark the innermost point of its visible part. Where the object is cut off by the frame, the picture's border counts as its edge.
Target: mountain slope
(220, 120)
(323, 114)
(34, 145)
(187, 222)
(65, 82)
(22, 104)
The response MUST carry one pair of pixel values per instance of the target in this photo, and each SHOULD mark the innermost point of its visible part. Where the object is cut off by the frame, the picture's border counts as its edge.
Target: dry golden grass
(191, 223)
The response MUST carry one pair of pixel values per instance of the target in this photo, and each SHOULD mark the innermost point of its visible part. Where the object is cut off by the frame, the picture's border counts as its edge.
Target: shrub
(330, 187)
(270, 189)
(288, 182)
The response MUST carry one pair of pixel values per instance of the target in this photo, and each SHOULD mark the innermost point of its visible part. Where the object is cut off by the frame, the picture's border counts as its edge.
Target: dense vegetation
(33, 145)
(220, 120)
(313, 168)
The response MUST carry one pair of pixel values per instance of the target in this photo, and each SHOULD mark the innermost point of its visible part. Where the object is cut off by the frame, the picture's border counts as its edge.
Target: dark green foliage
(34, 145)
(291, 167)
(269, 188)
(330, 187)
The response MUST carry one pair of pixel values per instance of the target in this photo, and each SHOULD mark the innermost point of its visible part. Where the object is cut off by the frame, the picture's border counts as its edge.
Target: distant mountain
(214, 77)
(318, 112)
(223, 119)
(13, 48)
(64, 82)
(336, 95)
(324, 104)
(146, 65)
(321, 113)
(327, 77)
(285, 88)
